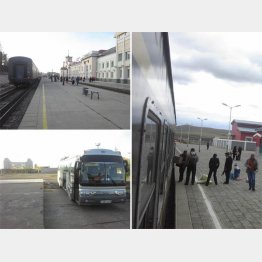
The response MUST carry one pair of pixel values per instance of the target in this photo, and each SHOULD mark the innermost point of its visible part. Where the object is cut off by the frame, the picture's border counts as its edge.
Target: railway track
(4, 94)
(10, 100)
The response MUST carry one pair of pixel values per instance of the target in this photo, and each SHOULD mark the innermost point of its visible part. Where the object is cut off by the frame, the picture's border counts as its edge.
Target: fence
(246, 145)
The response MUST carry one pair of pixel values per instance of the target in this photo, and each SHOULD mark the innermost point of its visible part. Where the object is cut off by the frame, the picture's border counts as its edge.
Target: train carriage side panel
(153, 105)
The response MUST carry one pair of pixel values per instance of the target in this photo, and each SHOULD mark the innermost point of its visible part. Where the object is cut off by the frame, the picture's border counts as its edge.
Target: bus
(96, 177)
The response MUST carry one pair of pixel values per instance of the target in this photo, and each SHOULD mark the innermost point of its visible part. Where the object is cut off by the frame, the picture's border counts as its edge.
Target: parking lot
(27, 204)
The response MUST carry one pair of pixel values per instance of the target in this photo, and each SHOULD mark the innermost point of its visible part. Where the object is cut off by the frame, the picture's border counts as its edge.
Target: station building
(104, 65)
(18, 165)
(247, 131)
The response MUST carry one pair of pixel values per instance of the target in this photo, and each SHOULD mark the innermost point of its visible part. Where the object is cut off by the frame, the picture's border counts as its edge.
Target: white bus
(97, 177)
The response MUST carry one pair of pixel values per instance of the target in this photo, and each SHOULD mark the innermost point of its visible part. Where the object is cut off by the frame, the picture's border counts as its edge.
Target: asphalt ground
(21, 204)
(31, 205)
(233, 205)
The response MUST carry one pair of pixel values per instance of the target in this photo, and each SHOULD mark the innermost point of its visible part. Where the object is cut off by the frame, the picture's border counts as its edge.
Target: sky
(49, 49)
(47, 147)
(214, 68)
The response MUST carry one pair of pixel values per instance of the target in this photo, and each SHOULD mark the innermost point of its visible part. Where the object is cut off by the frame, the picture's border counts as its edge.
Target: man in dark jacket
(213, 166)
(252, 167)
(182, 165)
(191, 166)
(228, 167)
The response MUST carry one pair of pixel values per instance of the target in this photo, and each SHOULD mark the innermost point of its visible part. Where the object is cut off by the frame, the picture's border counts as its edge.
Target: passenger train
(22, 71)
(153, 129)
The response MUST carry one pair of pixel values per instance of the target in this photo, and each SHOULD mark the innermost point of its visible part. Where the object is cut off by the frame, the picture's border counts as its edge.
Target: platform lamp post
(200, 138)
(229, 133)
(181, 134)
(188, 134)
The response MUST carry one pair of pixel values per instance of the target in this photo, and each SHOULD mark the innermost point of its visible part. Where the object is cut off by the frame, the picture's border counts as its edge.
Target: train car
(22, 71)
(153, 129)
(97, 177)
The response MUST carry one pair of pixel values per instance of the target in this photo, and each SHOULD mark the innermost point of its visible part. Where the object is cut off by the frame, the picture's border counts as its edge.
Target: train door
(148, 178)
(20, 71)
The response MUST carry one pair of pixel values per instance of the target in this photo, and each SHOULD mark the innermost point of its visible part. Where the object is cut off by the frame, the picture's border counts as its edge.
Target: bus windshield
(102, 173)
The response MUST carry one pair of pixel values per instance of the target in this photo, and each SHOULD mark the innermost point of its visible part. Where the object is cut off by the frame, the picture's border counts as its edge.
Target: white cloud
(212, 68)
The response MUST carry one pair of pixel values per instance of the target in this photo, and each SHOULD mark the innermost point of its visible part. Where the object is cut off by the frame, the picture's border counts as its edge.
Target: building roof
(108, 52)
(247, 122)
(247, 130)
(257, 134)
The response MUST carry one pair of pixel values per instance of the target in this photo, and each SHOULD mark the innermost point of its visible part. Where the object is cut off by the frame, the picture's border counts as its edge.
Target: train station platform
(222, 206)
(57, 106)
(21, 204)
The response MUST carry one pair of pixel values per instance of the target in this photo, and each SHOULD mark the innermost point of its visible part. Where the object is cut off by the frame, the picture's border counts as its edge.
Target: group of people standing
(189, 161)
(237, 153)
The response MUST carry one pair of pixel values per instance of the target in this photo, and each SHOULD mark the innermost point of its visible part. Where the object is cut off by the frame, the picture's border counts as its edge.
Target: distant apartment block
(18, 165)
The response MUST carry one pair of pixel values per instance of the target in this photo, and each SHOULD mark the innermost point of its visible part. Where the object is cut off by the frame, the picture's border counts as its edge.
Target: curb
(118, 90)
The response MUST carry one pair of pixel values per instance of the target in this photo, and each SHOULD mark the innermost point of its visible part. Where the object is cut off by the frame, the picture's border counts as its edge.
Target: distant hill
(194, 134)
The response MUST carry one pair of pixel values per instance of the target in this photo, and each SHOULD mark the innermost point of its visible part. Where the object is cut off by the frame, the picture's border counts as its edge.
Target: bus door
(76, 181)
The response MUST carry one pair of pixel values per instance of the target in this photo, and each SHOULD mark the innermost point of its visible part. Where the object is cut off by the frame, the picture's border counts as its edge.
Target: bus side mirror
(126, 165)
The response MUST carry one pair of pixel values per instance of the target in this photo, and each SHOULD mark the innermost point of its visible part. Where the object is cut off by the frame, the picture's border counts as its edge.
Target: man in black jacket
(191, 166)
(213, 166)
(228, 167)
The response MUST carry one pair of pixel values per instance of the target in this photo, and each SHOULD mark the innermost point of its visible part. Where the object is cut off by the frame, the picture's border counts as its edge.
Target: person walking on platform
(252, 166)
(234, 152)
(182, 166)
(207, 145)
(77, 80)
(239, 152)
(191, 166)
(213, 166)
(228, 167)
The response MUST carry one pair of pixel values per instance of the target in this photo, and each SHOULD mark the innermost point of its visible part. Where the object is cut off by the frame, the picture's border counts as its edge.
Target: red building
(247, 131)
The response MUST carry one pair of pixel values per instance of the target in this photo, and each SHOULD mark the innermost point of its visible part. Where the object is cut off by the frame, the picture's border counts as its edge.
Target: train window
(148, 171)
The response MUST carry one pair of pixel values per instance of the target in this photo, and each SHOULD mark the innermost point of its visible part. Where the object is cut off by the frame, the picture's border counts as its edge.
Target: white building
(123, 57)
(75, 69)
(89, 63)
(17, 165)
(106, 65)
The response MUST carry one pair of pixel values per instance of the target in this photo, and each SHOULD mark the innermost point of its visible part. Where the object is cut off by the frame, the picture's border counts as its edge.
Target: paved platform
(232, 205)
(21, 204)
(57, 106)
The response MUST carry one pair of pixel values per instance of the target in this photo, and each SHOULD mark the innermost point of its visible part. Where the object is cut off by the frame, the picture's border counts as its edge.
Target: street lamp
(229, 124)
(188, 135)
(201, 119)
(180, 134)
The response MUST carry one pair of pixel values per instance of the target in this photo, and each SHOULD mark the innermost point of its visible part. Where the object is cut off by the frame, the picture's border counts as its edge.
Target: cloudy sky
(46, 147)
(214, 68)
(48, 50)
